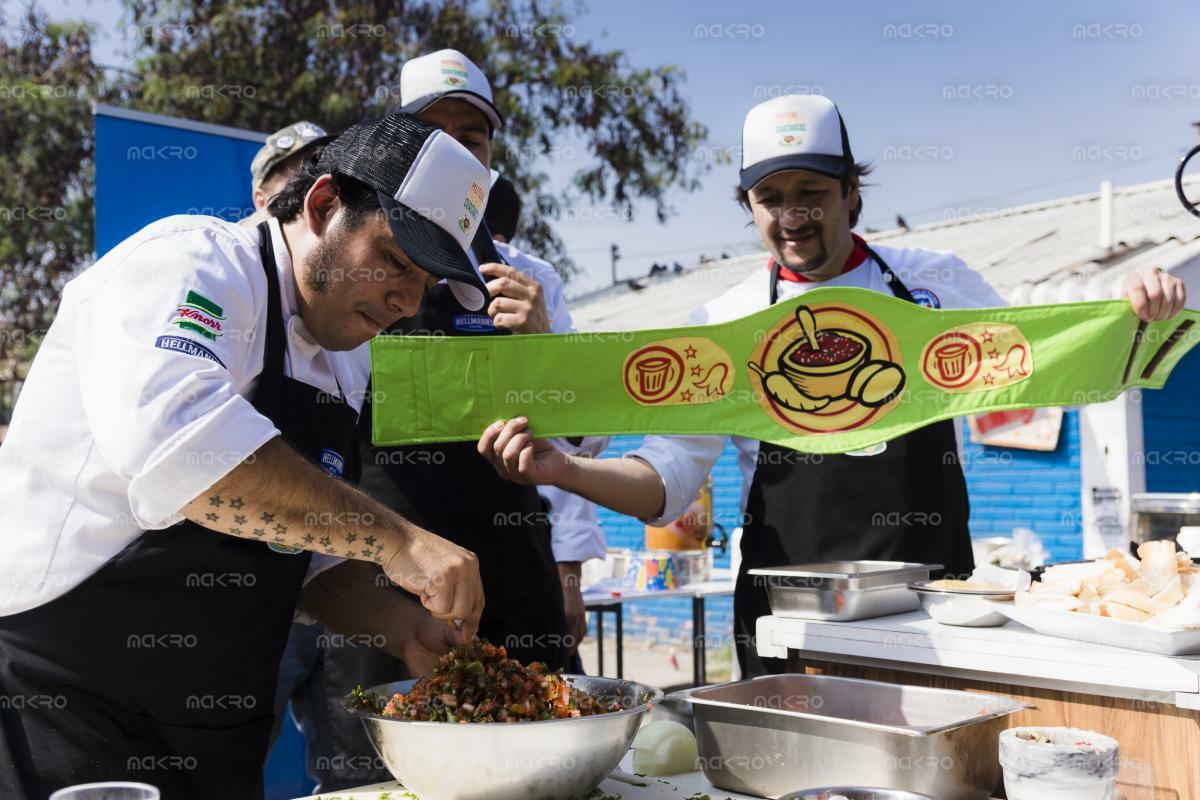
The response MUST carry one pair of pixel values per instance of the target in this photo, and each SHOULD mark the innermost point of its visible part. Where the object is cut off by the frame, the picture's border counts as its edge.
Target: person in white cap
(184, 444)
(906, 501)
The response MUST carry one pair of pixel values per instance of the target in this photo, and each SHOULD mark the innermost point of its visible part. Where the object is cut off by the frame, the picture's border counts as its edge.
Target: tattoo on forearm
(359, 545)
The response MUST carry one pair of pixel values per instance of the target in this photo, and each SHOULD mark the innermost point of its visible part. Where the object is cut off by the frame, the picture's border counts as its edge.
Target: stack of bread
(1160, 587)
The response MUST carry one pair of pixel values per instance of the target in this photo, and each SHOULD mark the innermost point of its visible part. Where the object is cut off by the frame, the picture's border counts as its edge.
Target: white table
(1150, 703)
(720, 586)
(1009, 654)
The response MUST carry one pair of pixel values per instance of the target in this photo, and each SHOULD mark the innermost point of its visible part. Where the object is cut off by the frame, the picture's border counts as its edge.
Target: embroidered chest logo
(200, 315)
(827, 368)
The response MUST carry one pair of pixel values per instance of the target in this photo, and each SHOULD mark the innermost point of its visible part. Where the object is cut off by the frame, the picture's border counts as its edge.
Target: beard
(812, 263)
(319, 265)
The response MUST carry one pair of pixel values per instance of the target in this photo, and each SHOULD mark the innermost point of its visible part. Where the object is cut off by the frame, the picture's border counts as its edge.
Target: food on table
(1160, 587)
(478, 682)
(665, 747)
(949, 584)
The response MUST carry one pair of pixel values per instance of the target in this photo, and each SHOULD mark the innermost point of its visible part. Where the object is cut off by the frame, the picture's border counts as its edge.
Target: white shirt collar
(298, 334)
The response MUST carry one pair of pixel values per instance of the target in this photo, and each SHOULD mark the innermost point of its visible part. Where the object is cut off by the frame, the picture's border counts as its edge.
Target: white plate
(1103, 630)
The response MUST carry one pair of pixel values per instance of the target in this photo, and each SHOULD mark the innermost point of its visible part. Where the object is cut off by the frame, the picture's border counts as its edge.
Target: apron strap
(275, 347)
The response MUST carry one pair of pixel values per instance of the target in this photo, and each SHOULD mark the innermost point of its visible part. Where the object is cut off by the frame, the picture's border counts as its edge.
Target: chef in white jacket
(905, 501)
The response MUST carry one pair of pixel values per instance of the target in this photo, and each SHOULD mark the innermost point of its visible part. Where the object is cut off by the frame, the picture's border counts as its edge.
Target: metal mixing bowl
(558, 758)
(854, 793)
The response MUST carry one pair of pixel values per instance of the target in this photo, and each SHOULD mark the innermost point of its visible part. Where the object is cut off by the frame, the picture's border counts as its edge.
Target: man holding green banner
(848, 446)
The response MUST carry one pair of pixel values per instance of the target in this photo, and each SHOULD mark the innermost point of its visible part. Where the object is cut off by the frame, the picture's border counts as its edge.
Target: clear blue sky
(1056, 96)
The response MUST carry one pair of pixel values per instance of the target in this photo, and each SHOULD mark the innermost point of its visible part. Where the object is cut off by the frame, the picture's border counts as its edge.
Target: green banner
(830, 371)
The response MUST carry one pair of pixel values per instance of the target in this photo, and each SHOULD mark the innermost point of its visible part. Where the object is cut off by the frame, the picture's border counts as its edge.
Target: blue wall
(1023, 488)
(1171, 428)
(145, 172)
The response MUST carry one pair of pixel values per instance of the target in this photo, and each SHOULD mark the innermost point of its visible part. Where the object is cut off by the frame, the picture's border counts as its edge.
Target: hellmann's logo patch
(200, 315)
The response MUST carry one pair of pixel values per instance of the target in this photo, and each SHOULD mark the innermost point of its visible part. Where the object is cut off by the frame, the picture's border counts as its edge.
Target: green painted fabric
(833, 370)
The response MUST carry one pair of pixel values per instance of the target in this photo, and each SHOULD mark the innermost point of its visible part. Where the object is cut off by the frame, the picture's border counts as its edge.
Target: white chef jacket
(935, 279)
(127, 415)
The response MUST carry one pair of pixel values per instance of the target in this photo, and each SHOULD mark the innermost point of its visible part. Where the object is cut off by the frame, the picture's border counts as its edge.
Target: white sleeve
(575, 531)
(167, 338)
(683, 463)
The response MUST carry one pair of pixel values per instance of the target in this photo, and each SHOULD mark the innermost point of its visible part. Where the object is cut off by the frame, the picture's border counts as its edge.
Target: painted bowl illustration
(809, 378)
(825, 372)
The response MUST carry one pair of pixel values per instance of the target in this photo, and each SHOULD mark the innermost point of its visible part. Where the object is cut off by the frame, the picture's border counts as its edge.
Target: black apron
(449, 490)
(907, 503)
(161, 666)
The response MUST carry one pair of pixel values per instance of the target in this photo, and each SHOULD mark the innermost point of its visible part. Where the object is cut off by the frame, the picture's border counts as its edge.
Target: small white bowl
(968, 608)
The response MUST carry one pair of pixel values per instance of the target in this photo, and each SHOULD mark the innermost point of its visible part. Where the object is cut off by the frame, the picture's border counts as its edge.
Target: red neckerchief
(857, 256)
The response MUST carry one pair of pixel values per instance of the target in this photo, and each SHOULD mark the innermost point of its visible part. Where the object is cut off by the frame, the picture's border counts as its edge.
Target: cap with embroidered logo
(796, 131)
(446, 73)
(432, 190)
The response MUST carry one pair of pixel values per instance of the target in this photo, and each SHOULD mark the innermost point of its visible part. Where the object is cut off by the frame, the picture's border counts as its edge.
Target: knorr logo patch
(200, 315)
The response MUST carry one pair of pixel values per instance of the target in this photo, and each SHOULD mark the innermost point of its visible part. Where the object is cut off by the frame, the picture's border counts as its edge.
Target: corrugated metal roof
(1039, 253)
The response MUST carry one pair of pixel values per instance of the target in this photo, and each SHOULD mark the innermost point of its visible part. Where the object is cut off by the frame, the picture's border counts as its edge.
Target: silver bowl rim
(921, 587)
(656, 696)
(900, 794)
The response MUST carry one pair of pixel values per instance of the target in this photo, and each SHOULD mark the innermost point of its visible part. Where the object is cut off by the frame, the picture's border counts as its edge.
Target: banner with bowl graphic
(834, 370)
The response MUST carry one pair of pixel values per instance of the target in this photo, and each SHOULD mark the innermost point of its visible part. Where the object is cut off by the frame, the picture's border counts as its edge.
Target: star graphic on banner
(989, 380)
(696, 370)
(690, 351)
(686, 396)
(987, 336)
(993, 353)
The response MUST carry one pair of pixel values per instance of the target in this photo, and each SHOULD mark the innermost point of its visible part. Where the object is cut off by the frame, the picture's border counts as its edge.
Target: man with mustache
(906, 501)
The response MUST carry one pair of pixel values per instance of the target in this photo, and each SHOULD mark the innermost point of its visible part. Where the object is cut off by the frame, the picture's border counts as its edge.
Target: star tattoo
(236, 503)
(281, 529)
(268, 517)
(309, 538)
(259, 532)
(211, 517)
(215, 501)
(239, 519)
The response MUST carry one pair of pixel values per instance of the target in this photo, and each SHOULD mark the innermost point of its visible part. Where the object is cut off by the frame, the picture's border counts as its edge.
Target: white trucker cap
(431, 189)
(795, 131)
(446, 73)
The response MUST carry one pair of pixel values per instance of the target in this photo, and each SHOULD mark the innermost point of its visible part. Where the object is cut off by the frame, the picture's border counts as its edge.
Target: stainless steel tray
(842, 590)
(770, 735)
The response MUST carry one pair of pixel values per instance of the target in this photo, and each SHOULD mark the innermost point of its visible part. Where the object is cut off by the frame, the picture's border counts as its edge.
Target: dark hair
(358, 199)
(860, 170)
(503, 208)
